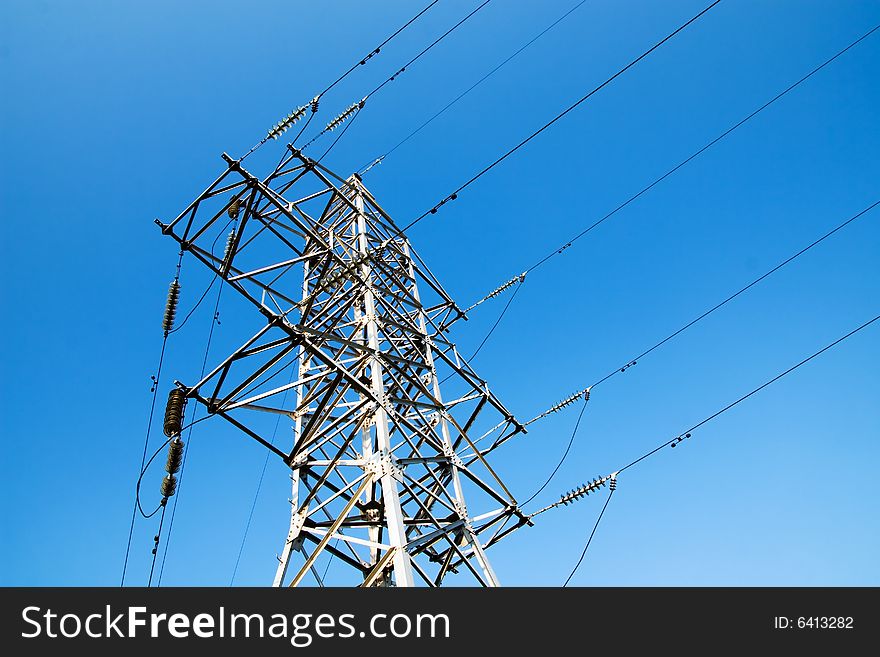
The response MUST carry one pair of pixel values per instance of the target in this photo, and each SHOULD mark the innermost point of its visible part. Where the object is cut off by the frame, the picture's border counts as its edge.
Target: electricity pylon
(389, 475)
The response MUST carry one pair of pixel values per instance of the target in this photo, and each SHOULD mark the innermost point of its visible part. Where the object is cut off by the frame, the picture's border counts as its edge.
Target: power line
(700, 151)
(589, 540)
(476, 84)
(733, 296)
(428, 48)
(361, 62)
(454, 195)
(155, 391)
(593, 486)
(791, 369)
(247, 526)
(377, 49)
(564, 454)
(590, 487)
(564, 246)
(393, 77)
(633, 361)
(156, 547)
(214, 322)
(495, 325)
(488, 335)
(687, 434)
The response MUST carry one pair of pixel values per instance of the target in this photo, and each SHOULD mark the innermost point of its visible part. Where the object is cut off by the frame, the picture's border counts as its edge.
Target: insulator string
(154, 391)
(214, 323)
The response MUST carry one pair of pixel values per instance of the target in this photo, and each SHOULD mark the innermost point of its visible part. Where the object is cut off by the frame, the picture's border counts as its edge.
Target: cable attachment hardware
(314, 103)
(612, 486)
(171, 306)
(279, 128)
(582, 491)
(174, 412)
(339, 120)
(679, 439)
(628, 365)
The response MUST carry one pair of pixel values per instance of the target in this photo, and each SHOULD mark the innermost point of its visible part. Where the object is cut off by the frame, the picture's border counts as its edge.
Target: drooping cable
(214, 322)
(154, 391)
(590, 539)
(495, 325)
(574, 431)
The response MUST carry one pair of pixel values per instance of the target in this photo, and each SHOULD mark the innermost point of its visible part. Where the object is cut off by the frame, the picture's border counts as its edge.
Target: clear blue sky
(114, 114)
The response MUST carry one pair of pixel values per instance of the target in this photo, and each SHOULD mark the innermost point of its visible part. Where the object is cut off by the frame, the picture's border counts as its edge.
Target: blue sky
(116, 113)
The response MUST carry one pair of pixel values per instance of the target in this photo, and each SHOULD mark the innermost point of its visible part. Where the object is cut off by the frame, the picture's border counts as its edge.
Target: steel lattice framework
(389, 477)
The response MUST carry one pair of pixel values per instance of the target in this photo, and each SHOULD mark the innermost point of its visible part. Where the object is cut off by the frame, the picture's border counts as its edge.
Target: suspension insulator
(315, 102)
(498, 290)
(612, 486)
(171, 306)
(339, 120)
(169, 486)
(234, 208)
(581, 491)
(174, 412)
(568, 401)
(230, 241)
(286, 122)
(175, 456)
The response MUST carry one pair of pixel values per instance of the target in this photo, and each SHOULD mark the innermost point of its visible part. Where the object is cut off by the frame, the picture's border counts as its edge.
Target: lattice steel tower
(390, 474)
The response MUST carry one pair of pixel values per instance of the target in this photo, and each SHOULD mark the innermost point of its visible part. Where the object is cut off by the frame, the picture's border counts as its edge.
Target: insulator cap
(171, 306)
(169, 486)
(174, 412)
(175, 456)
